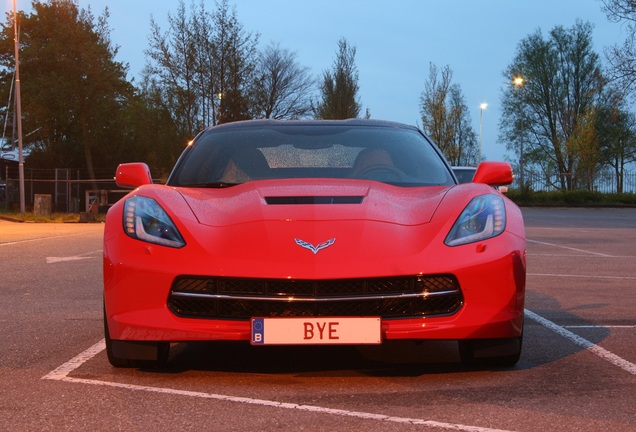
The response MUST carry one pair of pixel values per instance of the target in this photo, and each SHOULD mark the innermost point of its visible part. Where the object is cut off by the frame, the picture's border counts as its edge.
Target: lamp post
(482, 107)
(518, 82)
(18, 107)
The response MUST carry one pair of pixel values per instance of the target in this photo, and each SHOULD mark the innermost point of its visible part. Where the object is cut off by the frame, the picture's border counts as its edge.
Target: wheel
(490, 352)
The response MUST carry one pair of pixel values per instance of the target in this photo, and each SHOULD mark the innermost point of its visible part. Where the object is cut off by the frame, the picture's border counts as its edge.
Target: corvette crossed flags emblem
(316, 248)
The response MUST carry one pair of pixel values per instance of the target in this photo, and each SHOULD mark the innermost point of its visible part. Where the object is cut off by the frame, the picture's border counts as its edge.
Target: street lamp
(482, 107)
(18, 107)
(518, 82)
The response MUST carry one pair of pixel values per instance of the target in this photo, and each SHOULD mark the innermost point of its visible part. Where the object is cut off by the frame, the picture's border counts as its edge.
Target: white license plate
(316, 331)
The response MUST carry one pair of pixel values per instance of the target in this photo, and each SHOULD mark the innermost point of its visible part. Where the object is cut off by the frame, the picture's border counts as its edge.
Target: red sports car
(313, 232)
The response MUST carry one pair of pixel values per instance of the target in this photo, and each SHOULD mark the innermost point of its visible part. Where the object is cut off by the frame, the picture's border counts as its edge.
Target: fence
(74, 195)
(604, 182)
(68, 194)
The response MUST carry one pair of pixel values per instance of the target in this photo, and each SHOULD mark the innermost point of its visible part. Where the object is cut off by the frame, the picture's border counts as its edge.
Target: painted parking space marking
(584, 343)
(582, 276)
(11, 243)
(601, 326)
(62, 374)
(87, 255)
(570, 248)
(586, 255)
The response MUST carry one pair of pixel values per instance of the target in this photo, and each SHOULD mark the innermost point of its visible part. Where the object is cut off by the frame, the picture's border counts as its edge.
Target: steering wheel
(380, 172)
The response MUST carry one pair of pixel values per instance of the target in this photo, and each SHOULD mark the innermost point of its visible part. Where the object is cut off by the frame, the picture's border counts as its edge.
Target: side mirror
(494, 173)
(132, 175)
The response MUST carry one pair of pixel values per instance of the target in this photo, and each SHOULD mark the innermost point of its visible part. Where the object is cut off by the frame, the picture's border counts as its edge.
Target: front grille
(243, 298)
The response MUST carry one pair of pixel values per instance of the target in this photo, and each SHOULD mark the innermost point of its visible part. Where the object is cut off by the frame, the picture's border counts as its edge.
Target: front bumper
(136, 301)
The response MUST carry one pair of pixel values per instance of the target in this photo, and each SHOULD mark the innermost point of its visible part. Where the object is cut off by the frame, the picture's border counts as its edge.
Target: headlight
(145, 220)
(484, 217)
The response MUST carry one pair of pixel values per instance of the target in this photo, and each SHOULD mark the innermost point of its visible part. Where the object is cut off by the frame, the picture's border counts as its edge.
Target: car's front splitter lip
(462, 325)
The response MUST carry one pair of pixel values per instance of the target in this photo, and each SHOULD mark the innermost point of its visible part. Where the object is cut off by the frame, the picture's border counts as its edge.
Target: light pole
(482, 107)
(518, 82)
(18, 107)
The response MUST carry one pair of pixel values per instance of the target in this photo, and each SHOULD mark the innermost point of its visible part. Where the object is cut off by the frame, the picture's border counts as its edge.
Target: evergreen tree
(339, 89)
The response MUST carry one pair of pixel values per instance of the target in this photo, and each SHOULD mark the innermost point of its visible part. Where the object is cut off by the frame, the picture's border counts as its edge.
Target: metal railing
(604, 182)
(69, 192)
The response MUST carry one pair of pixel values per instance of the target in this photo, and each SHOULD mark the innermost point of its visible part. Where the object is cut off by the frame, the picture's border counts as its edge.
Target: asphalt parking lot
(577, 371)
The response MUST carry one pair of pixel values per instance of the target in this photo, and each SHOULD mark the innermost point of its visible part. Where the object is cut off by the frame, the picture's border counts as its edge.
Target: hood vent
(291, 200)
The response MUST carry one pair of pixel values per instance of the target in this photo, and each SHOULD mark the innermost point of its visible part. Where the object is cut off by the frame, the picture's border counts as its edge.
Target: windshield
(230, 156)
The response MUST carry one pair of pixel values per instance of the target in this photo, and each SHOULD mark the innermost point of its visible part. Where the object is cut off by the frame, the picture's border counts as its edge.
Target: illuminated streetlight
(482, 107)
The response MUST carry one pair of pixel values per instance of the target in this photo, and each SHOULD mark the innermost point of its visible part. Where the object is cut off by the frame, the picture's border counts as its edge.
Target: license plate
(316, 331)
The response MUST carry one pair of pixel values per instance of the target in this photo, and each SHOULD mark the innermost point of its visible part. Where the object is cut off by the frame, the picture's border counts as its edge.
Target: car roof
(347, 122)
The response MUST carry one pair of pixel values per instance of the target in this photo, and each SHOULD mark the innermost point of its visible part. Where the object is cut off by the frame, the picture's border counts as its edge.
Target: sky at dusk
(395, 41)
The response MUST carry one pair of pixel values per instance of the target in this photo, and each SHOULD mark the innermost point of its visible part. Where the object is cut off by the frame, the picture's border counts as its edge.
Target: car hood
(314, 200)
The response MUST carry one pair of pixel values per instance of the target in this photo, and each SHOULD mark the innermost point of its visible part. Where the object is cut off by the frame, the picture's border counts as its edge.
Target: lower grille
(243, 298)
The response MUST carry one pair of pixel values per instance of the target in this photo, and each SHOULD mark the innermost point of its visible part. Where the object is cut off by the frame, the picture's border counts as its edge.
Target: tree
(446, 119)
(283, 88)
(562, 82)
(149, 133)
(203, 67)
(236, 58)
(171, 68)
(622, 59)
(71, 86)
(616, 134)
(339, 89)
(585, 144)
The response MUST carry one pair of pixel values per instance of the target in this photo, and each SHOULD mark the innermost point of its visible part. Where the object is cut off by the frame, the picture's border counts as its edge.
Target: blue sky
(395, 40)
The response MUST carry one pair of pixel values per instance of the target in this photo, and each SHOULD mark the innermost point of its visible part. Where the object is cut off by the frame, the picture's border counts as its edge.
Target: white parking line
(27, 240)
(54, 260)
(584, 343)
(601, 326)
(62, 372)
(11, 243)
(582, 276)
(569, 248)
(584, 255)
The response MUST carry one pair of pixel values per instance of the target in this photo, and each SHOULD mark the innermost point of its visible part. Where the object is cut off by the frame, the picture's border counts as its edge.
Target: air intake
(291, 200)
